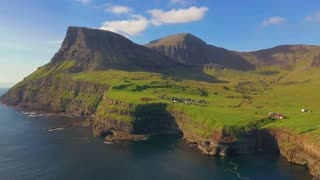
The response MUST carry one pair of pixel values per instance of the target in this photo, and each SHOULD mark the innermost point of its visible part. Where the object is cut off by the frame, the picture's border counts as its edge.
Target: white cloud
(55, 42)
(273, 20)
(176, 16)
(137, 23)
(133, 26)
(119, 9)
(181, 2)
(314, 18)
(84, 1)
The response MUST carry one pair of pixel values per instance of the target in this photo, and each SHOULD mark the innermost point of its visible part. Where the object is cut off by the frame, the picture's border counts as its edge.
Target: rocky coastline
(296, 148)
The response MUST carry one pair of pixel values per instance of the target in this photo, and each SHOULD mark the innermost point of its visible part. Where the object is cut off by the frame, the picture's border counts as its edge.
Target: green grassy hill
(92, 65)
(219, 99)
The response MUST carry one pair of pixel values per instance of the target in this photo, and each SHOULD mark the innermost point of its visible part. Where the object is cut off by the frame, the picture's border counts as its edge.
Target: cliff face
(95, 49)
(316, 61)
(56, 95)
(134, 119)
(299, 149)
(158, 119)
(50, 87)
(161, 120)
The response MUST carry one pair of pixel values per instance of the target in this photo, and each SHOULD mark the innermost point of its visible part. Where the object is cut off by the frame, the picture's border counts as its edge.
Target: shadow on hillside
(155, 119)
(178, 72)
(191, 72)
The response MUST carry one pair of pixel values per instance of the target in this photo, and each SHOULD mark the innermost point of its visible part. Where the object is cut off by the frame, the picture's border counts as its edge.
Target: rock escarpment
(134, 119)
(300, 149)
(51, 87)
(94, 49)
(297, 148)
(56, 95)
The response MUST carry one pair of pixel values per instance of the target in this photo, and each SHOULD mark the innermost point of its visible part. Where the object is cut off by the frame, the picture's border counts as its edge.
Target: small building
(305, 110)
(174, 100)
(276, 115)
(163, 96)
(202, 101)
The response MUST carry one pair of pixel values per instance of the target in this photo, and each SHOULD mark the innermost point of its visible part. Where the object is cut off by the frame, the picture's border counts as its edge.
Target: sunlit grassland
(243, 99)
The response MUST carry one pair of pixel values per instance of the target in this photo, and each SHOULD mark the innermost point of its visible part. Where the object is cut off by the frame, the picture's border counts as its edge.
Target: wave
(106, 142)
(56, 129)
(235, 171)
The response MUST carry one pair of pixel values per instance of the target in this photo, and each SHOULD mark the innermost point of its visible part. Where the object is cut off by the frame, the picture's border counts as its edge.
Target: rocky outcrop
(162, 120)
(299, 149)
(316, 61)
(117, 136)
(222, 141)
(95, 49)
(134, 119)
(207, 144)
(56, 95)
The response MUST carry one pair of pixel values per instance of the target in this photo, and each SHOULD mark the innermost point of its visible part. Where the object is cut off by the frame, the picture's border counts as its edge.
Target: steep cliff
(300, 149)
(94, 49)
(51, 88)
(56, 95)
(134, 119)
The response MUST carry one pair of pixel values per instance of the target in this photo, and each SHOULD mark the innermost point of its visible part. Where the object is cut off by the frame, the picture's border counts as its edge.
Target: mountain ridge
(189, 49)
(95, 49)
(200, 53)
(126, 87)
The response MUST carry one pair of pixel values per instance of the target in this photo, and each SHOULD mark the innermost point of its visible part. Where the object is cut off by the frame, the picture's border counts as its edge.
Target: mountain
(83, 50)
(189, 49)
(94, 49)
(284, 56)
(164, 88)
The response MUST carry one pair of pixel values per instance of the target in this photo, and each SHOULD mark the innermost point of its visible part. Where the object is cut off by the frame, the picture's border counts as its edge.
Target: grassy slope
(298, 90)
(269, 90)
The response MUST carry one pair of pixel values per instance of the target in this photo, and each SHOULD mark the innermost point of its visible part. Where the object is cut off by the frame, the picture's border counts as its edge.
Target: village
(187, 101)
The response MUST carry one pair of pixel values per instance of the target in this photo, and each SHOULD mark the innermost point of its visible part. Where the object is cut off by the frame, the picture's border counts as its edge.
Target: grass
(237, 101)
(223, 110)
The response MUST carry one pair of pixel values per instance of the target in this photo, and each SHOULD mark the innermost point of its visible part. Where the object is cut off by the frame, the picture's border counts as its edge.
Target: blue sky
(31, 31)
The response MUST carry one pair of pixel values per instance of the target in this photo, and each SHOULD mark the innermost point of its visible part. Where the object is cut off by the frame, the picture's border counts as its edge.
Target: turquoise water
(29, 151)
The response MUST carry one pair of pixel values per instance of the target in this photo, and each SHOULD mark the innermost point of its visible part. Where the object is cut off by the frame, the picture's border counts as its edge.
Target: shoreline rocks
(296, 148)
(118, 136)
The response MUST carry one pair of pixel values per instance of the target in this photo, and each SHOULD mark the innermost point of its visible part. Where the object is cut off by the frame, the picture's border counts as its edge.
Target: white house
(305, 110)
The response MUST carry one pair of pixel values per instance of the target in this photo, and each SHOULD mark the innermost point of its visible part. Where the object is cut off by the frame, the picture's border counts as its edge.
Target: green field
(240, 100)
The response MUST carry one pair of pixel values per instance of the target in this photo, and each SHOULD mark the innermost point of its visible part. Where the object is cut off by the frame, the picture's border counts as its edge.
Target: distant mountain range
(189, 49)
(181, 56)
(95, 49)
